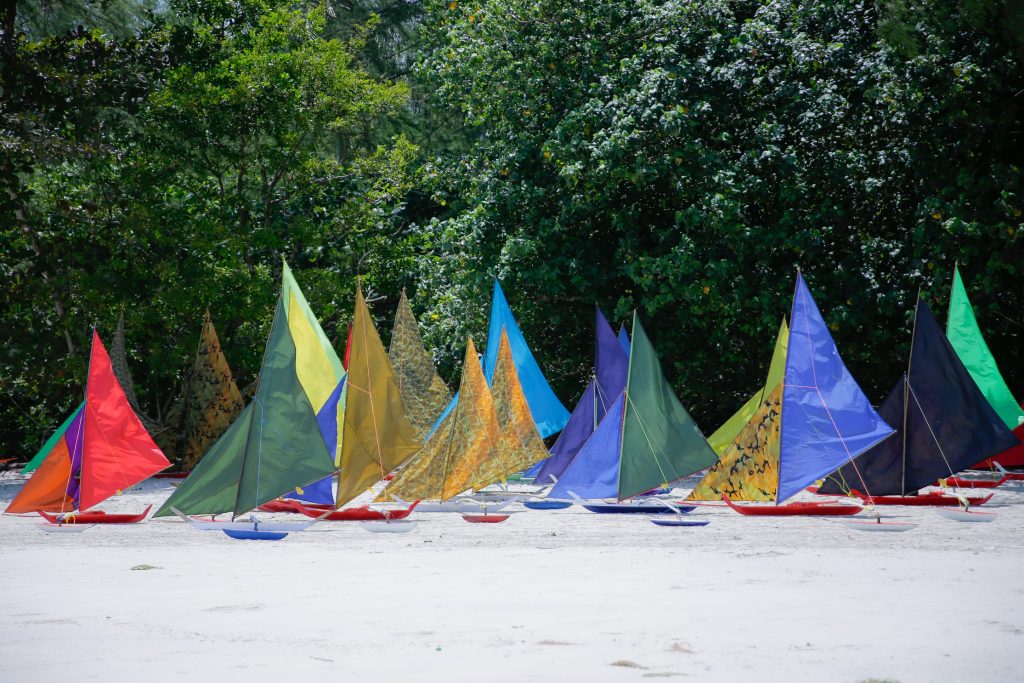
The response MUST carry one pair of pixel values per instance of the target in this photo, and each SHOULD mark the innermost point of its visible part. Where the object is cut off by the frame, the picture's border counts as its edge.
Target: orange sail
(453, 453)
(519, 444)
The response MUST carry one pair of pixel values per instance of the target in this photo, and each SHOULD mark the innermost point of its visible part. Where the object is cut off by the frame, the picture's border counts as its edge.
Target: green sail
(727, 433)
(969, 344)
(660, 441)
(33, 464)
(273, 446)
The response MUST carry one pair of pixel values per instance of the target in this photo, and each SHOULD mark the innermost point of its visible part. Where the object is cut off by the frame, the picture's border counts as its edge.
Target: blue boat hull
(547, 504)
(681, 522)
(250, 535)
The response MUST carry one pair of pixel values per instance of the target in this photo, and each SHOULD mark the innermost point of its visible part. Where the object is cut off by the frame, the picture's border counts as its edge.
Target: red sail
(117, 451)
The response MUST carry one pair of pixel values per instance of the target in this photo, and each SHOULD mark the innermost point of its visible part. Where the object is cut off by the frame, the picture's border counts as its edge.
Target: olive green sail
(377, 436)
(273, 446)
(424, 393)
(724, 435)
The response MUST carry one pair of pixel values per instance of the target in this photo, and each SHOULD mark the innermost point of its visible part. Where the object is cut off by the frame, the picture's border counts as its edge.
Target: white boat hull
(961, 515)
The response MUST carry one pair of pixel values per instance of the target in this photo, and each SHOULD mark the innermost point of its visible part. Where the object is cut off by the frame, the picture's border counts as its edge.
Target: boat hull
(362, 513)
(485, 519)
(680, 522)
(547, 504)
(961, 515)
(936, 499)
(802, 508)
(635, 508)
(255, 534)
(962, 483)
(95, 517)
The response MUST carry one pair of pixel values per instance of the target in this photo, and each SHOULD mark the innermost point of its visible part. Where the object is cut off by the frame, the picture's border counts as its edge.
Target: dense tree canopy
(680, 157)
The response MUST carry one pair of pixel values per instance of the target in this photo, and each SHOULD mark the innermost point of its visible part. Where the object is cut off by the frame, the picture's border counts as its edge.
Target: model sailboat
(611, 363)
(965, 336)
(548, 412)
(647, 439)
(101, 450)
(281, 440)
(815, 420)
(946, 424)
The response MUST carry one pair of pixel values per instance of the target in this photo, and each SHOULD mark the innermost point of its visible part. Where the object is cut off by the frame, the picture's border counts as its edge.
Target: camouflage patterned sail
(424, 393)
(209, 403)
(519, 444)
(119, 361)
(464, 439)
(748, 468)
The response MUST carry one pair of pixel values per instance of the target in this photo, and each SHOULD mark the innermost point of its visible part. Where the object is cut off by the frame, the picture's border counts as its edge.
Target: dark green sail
(273, 446)
(660, 441)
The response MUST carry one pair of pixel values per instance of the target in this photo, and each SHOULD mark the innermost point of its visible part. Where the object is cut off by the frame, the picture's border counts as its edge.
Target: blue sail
(611, 365)
(322, 491)
(548, 412)
(826, 418)
(576, 432)
(594, 472)
(624, 339)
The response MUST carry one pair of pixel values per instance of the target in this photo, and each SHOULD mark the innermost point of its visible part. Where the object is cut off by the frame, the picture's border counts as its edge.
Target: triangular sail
(826, 418)
(518, 445)
(611, 364)
(624, 338)
(723, 437)
(548, 412)
(424, 393)
(946, 423)
(119, 363)
(54, 486)
(273, 446)
(594, 472)
(965, 336)
(577, 430)
(120, 451)
(468, 436)
(210, 401)
(33, 464)
(378, 436)
(660, 441)
(748, 468)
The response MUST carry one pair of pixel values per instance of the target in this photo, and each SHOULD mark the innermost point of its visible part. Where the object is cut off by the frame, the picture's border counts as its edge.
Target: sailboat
(424, 393)
(548, 412)
(487, 437)
(810, 418)
(377, 435)
(100, 451)
(209, 402)
(946, 424)
(646, 440)
(285, 438)
(965, 336)
(611, 363)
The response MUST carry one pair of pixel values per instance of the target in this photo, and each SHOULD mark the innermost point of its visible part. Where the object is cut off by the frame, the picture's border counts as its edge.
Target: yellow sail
(377, 436)
(466, 438)
(748, 469)
(519, 444)
(424, 393)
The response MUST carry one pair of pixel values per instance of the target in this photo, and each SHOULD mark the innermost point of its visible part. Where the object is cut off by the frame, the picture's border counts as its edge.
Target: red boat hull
(962, 483)
(357, 514)
(932, 498)
(285, 505)
(485, 519)
(96, 517)
(808, 508)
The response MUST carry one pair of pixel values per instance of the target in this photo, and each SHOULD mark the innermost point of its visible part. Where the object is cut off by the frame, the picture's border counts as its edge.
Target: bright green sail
(724, 435)
(273, 446)
(33, 464)
(965, 336)
(660, 441)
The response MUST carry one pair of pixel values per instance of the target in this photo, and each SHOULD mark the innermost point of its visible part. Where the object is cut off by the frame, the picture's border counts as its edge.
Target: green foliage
(685, 158)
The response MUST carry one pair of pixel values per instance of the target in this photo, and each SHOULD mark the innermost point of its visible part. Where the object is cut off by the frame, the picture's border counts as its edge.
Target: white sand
(547, 596)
